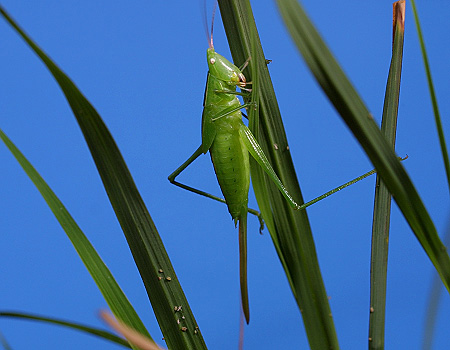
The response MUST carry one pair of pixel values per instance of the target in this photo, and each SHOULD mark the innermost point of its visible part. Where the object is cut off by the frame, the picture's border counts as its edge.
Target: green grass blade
(382, 202)
(260, 181)
(162, 285)
(350, 106)
(106, 335)
(289, 229)
(437, 116)
(435, 291)
(105, 281)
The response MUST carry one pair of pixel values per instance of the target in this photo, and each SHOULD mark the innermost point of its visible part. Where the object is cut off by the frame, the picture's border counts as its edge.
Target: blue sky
(143, 67)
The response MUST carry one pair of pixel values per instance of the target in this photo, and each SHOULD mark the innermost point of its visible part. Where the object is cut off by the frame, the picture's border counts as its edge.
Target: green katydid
(229, 142)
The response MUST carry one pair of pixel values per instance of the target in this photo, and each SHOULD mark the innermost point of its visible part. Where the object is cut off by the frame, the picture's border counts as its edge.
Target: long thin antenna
(211, 45)
(205, 21)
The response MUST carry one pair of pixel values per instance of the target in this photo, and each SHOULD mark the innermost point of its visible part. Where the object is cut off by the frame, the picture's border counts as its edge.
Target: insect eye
(212, 60)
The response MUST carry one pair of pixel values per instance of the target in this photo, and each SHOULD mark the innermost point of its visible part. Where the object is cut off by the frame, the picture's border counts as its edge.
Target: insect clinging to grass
(229, 142)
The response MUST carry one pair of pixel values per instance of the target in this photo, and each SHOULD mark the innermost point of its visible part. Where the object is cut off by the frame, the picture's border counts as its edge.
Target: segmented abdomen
(231, 163)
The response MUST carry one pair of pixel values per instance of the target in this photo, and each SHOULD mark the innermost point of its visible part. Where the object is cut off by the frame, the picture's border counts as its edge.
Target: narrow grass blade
(162, 285)
(350, 106)
(435, 289)
(4, 342)
(434, 301)
(259, 178)
(105, 281)
(437, 116)
(382, 202)
(289, 229)
(76, 326)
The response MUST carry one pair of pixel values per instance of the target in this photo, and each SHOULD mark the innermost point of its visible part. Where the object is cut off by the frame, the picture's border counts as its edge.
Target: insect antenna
(205, 21)
(209, 34)
(211, 45)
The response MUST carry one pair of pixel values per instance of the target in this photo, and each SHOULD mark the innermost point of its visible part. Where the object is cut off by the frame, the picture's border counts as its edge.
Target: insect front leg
(232, 110)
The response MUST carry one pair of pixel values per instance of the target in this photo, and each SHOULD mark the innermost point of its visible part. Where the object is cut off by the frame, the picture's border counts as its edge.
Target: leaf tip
(399, 14)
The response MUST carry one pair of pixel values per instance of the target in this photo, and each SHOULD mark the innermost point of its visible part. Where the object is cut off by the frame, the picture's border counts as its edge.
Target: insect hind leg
(188, 162)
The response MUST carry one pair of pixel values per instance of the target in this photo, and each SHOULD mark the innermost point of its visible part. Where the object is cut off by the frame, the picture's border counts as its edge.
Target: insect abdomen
(231, 164)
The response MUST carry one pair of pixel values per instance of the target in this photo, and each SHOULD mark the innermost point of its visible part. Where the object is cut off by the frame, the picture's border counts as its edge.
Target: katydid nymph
(229, 142)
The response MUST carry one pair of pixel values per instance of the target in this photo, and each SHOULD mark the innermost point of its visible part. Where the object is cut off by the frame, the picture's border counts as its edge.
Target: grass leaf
(4, 342)
(162, 285)
(350, 106)
(77, 326)
(105, 281)
(289, 229)
(437, 116)
(382, 203)
(435, 294)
